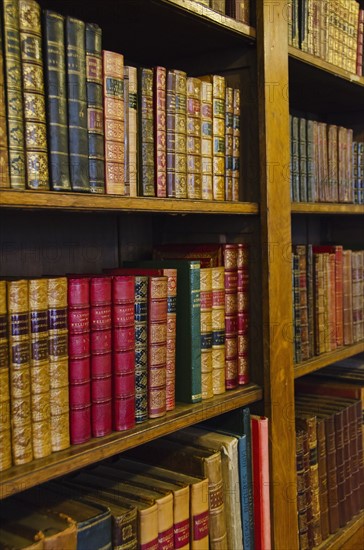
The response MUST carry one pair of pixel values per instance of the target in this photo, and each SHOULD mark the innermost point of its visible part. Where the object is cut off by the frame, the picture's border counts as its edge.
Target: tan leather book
(193, 138)
(206, 140)
(5, 436)
(4, 164)
(206, 332)
(218, 330)
(131, 135)
(20, 537)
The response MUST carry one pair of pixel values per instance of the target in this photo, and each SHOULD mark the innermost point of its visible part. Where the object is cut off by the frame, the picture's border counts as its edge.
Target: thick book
(4, 151)
(146, 182)
(36, 146)
(303, 508)
(159, 113)
(206, 331)
(230, 255)
(180, 190)
(56, 100)
(5, 425)
(77, 103)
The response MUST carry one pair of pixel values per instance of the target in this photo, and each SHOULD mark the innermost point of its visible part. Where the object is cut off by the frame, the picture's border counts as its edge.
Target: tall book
(131, 130)
(159, 113)
(230, 252)
(77, 103)
(171, 132)
(206, 140)
(218, 330)
(4, 163)
(300, 250)
(181, 135)
(14, 95)
(302, 135)
(36, 147)
(194, 138)
(56, 100)
(146, 135)
(5, 434)
(141, 348)
(243, 313)
(347, 297)
(95, 109)
(295, 162)
(302, 470)
(206, 331)
(229, 143)
(236, 144)
(113, 70)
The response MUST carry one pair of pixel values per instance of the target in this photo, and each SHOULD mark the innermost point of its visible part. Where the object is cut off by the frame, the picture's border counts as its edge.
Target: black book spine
(95, 111)
(56, 95)
(77, 104)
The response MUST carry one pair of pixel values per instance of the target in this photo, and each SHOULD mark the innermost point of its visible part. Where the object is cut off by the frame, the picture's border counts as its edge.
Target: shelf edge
(326, 359)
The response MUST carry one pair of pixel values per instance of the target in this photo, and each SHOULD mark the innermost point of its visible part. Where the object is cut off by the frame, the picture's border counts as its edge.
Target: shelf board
(326, 208)
(327, 359)
(349, 537)
(53, 200)
(19, 478)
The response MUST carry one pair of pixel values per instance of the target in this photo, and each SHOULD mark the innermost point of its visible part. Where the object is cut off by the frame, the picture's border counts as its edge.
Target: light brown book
(218, 330)
(206, 331)
(206, 140)
(180, 191)
(5, 435)
(131, 130)
(194, 138)
(4, 164)
(347, 297)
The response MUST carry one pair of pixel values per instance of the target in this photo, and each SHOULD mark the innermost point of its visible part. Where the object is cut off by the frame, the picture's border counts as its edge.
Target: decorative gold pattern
(41, 436)
(60, 435)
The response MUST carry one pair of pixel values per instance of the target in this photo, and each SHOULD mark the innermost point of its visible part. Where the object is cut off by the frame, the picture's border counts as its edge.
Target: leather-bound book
(101, 355)
(295, 163)
(206, 140)
(77, 103)
(95, 108)
(300, 251)
(236, 145)
(311, 162)
(296, 309)
(319, 301)
(242, 11)
(56, 100)
(39, 367)
(79, 358)
(194, 168)
(14, 536)
(4, 152)
(123, 337)
(230, 252)
(347, 297)
(146, 135)
(131, 130)
(332, 135)
(113, 67)
(5, 435)
(181, 135)
(172, 282)
(229, 117)
(58, 362)
(19, 348)
(171, 132)
(243, 314)
(159, 113)
(36, 147)
(303, 538)
(218, 330)
(206, 331)
(302, 151)
(358, 294)
(14, 95)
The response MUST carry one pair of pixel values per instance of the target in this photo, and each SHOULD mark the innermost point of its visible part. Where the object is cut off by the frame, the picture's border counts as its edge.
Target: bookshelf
(59, 232)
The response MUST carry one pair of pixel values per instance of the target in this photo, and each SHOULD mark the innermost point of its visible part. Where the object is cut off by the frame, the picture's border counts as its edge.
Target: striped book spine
(206, 140)
(171, 132)
(146, 138)
(236, 144)
(194, 138)
(206, 331)
(159, 82)
(218, 330)
(229, 123)
(181, 135)
(243, 314)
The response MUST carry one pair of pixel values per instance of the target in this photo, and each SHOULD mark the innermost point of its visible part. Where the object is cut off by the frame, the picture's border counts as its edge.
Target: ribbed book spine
(56, 100)
(131, 130)
(194, 138)
(303, 158)
(319, 304)
(33, 93)
(230, 252)
(39, 368)
(4, 163)
(295, 161)
(243, 314)
(236, 145)
(229, 118)
(333, 162)
(58, 363)
(296, 308)
(311, 160)
(357, 292)
(206, 140)
(218, 330)
(171, 275)
(160, 160)
(206, 331)
(347, 297)
(300, 250)
(218, 132)
(146, 137)
(95, 109)
(5, 434)
(181, 135)
(141, 348)
(77, 103)
(113, 67)
(301, 491)
(14, 95)
(171, 132)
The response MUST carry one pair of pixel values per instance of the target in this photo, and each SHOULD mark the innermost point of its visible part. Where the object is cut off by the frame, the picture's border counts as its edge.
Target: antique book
(193, 139)
(230, 259)
(56, 100)
(218, 330)
(332, 135)
(310, 299)
(14, 95)
(229, 123)
(131, 130)
(58, 362)
(95, 108)
(358, 294)
(260, 456)
(159, 113)
(206, 140)
(239, 10)
(236, 145)
(171, 132)
(4, 151)
(180, 191)
(113, 71)
(243, 313)
(301, 252)
(15, 536)
(209, 254)
(319, 301)
(303, 509)
(206, 331)
(347, 297)
(311, 161)
(302, 151)
(79, 358)
(5, 425)
(218, 5)
(146, 135)
(123, 338)
(297, 341)
(77, 103)
(36, 147)
(295, 162)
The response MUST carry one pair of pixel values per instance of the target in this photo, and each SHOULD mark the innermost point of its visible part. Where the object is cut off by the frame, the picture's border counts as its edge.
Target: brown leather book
(229, 123)
(159, 106)
(5, 436)
(194, 138)
(206, 140)
(230, 253)
(243, 313)
(300, 250)
(218, 330)
(236, 144)
(206, 331)
(302, 490)
(347, 297)
(181, 135)
(4, 164)
(146, 187)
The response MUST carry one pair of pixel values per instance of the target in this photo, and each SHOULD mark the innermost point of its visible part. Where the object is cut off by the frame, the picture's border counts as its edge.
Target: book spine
(347, 297)
(56, 96)
(181, 135)
(5, 424)
(171, 275)
(113, 67)
(218, 133)
(77, 104)
(311, 195)
(194, 190)
(146, 138)
(243, 313)
(333, 163)
(159, 113)
(262, 533)
(141, 348)
(218, 330)
(303, 312)
(171, 132)
(4, 151)
(206, 331)
(295, 162)
(302, 508)
(356, 293)
(360, 42)
(230, 252)
(296, 308)
(39, 368)
(302, 133)
(58, 363)
(332, 302)
(236, 145)
(206, 140)
(322, 472)
(131, 130)
(36, 148)
(319, 304)
(229, 121)
(95, 111)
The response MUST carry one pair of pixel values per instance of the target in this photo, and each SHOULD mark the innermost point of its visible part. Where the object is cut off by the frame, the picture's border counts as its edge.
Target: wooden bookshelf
(327, 358)
(19, 478)
(326, 208)
(350, 537)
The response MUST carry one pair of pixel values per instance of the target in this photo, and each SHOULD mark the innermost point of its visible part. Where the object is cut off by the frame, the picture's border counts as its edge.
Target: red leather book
(230, 252)
(243, 314)
(160, 160)
(123, 336)
(261, 498)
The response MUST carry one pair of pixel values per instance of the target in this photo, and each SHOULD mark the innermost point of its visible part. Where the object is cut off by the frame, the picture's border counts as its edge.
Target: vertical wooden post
(274, 145)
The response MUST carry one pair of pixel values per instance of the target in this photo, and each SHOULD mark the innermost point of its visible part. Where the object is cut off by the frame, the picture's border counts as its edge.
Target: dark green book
(188, 331)
(146, 134)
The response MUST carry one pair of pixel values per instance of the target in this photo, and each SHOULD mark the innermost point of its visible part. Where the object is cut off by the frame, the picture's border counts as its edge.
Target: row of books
(181, 491)
(329, 447)
(328, 298)
(332, 31)
(83, 355)
(327, 165)
(74, 118)
(237, 9)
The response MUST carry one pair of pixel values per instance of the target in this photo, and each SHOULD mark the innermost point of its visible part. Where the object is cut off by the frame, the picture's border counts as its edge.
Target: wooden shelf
(19, 478)
(348, 538)
(327, 358)
(326, 208)
(54, 200)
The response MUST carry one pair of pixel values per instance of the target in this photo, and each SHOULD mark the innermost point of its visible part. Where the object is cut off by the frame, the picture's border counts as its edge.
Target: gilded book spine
(218, 330)
(206, 140)
(5, 435)
(333, 162)
(146, 138)
(171, 132)
(14, 95)
(33, 94)
(131, 130)
(141, 347)
(229, 121)
(159, 75)
(95, 110)
(243, 314)
(56, 96)
(181, 135)
(230, 252)
(77, 104)
(58, 363)
(19, 348)
(319, 304)
(171, 275)
(206, 331)
(194, 138)
(4, 164)
(39, 367)
(113, 67)
(218, 132)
